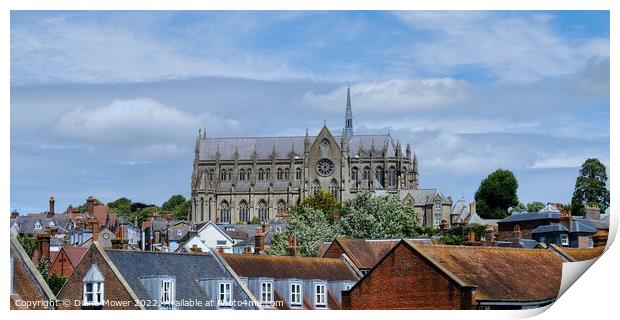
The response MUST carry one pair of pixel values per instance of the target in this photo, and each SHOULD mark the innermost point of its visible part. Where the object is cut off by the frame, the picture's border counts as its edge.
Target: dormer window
(93, 290)
(179, 232)
(225, 294)
(38, 225)
(167, 293)
(266, 293)
(51, 223)
(296, 294)
(320, 295)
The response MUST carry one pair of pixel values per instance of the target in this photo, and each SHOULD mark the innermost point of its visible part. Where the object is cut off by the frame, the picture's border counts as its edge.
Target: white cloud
(140, 126)
(518, 48)
(392, 95)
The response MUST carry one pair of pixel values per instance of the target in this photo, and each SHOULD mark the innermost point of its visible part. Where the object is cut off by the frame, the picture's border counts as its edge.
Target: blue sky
(109, 103)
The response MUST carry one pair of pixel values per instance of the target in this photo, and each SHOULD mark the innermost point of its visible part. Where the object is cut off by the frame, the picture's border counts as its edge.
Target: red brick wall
(505, 229)
(334, 251)
(113, 289)
(24, 286)
(404, 280)
(61, 266)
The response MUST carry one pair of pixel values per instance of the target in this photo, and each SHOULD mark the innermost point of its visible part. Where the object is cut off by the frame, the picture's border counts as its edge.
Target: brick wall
(505, 229)
(24, 285)
(404, 280)
(61, 266)
(114, 293)
(334, 251)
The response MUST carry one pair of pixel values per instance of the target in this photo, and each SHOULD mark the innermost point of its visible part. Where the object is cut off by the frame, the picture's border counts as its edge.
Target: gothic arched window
(379, 174)
(244, 212)
(229, 174)
(263, 215)
(261, 174)
(224, 212)
(268, 174)
(281, 207)
(248, 174)
(286, 172)
(392, 176)
(223, 175)
(366, 174)
(333, 188)
(354, 174)
(280, 174)
(211, 173)
(298, 174)
(316, 186)
(241, 175)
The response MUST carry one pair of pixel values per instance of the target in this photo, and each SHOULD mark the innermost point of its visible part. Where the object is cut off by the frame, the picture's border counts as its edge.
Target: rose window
(324, 167)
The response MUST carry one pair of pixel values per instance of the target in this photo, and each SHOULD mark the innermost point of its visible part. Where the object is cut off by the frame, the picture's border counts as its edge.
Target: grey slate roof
(531, 216)
(187, 270)
(578, 226)
(25, 224)
(528, 243)
(283, 146)
(550, 228)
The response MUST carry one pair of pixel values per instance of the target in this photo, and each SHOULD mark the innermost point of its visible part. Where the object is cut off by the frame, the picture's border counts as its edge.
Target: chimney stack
(472, 207)
(293, 249)
(516, 236)
(43, 245)
(14, 214)
(90, 206)
(259, 240)
(592, 212)
(95, 228)
(444, 225)
(195, 249)
(50, 213)
(489, 235)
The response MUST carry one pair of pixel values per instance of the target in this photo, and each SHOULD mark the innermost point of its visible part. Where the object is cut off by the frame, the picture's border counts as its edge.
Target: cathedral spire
(347, 132)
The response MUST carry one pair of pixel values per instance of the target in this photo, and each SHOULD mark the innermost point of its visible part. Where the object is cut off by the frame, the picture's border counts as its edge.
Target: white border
(592, 296)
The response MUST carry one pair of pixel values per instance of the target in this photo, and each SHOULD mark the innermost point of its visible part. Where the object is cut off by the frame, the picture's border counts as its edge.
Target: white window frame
(348, 287)
(224, 294)
(38, 226)
(296, 294)
(320, 295)
(564, 240)
(96, 292)
(436, 219)
(166, 296)
(437, 205)
(266, 292)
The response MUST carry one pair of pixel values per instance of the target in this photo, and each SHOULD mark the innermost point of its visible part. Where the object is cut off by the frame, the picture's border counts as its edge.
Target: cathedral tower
(347, 132)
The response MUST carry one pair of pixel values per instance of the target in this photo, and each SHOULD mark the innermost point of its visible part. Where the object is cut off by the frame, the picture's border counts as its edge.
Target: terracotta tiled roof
(501, 274)
(287, 267)
(583, 254)
(323, 248)
(365, 253)
(75, 254)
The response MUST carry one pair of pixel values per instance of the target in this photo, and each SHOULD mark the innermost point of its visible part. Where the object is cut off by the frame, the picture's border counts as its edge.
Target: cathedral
(238, 179)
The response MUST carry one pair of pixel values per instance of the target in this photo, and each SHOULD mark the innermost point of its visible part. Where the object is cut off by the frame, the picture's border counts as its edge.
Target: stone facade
(237, 179)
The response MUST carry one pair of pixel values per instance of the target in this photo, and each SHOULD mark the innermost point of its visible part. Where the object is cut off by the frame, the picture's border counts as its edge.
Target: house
(415, 276)
(430, 205)
(155, 232)
(463, 213)
(125, 230)
(28, 290)
(116, 279)
(528, 222)
(287, 282)
(66, 260)
(576, 254)
(578, 235)
(244, 235)
(191, 243)
(364, 253)
(214, 237)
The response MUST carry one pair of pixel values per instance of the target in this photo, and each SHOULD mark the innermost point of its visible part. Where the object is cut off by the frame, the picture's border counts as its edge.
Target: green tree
(311, 227)
(324, 201)
(535, 206)
(180, 211)
(590, 187)
(518, 208)
(120, 206)
(53, 281)
(279, 244)
(173, 202)
(367, 216)
(255, 220)
(29, 244)
(496, 194)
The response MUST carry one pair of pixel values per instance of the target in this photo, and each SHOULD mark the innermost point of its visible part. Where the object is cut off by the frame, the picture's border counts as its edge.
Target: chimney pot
(14, 214)
(95, 228)
(90, 206)
(259, 241)
(43, 244)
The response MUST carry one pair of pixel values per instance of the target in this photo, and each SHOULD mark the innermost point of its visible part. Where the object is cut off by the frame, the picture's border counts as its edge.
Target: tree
(279, 244)
(311, 227)
(535, 206)
(180, 211)
(496, 194)
(29, 244)
(367, 216)
(53, 281)
(590, 187)
(173, 202)
(324, 201)
(518, 208)
(120, 206)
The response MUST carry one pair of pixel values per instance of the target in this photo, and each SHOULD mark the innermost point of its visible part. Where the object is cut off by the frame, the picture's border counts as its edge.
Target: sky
(109, 103)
